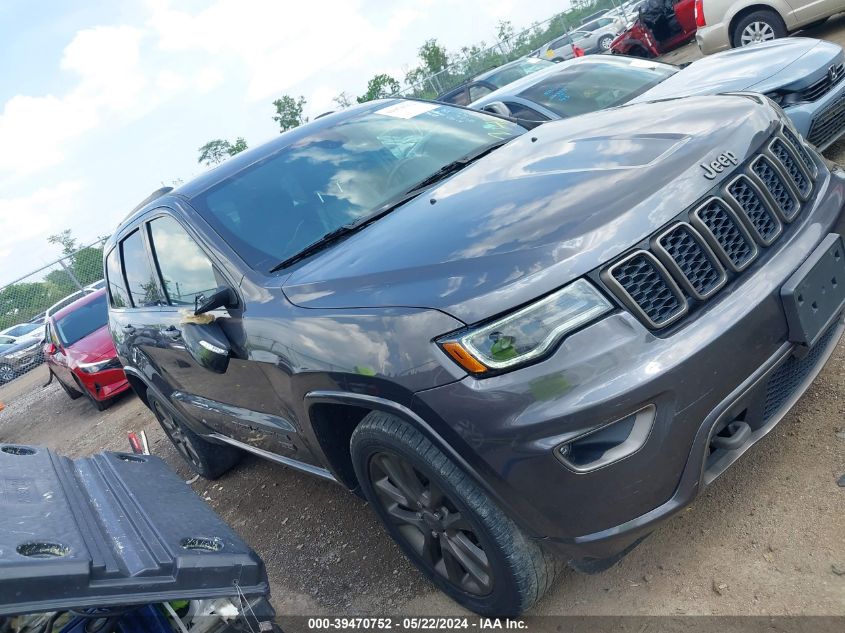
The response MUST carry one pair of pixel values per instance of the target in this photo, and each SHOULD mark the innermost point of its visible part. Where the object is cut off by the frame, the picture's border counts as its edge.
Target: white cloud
(46, 210)
(207, 79)
(34, 131)
(280, 44)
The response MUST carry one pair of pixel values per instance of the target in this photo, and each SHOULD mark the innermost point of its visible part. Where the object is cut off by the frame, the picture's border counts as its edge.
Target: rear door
(240, 403)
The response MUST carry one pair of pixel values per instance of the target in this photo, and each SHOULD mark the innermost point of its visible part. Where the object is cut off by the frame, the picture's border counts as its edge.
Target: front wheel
(446, 525)
(760, 26)
(605, 42)
(208, 459)
(7, 374)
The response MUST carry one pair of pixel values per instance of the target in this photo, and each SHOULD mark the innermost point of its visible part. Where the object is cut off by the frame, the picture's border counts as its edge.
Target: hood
(21, 344)
(96, 346)
(791, 63)
(538, 212)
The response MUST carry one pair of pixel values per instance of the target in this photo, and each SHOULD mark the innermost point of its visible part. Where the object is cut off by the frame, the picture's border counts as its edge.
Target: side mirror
(208, 346)
(222, 297)
(497, 107)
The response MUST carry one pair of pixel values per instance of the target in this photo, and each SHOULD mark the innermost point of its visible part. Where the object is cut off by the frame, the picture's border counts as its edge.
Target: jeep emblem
(716, 167)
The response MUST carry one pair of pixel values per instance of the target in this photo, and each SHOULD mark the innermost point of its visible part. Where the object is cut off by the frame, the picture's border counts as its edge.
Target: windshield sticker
(407, 109)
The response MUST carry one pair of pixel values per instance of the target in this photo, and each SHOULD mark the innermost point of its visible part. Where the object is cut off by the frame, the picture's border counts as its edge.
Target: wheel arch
(333, 438)
(757, 6)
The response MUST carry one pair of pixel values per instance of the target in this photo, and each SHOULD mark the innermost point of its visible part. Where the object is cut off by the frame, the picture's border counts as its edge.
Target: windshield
(517, 71)
(341, 174)
(587, 87)
(84, 320)
(20, 330)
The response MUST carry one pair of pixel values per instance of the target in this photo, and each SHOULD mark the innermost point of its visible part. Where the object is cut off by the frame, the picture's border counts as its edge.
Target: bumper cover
(726, 362)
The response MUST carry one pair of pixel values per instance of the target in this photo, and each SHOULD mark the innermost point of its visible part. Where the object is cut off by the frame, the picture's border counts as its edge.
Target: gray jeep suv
(520, 346)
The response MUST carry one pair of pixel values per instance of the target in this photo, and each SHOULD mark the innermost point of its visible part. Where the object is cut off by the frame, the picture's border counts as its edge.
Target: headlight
(93, 368)
(528, 333)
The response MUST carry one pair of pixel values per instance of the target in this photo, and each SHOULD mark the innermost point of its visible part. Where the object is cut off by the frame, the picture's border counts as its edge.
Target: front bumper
(732, 359)
(105, 384)
(712, 39)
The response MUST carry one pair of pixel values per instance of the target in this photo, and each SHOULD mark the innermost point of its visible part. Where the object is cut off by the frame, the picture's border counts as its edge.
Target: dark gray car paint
(355, 323)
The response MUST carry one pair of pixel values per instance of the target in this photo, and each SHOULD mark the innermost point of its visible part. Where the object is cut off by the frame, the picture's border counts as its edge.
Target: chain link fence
(26, 302)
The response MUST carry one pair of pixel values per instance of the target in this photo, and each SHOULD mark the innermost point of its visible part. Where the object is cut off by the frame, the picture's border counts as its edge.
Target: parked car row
(811, 93)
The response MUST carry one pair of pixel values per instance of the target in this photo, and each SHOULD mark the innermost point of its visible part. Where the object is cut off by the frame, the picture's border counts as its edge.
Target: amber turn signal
(463, 358)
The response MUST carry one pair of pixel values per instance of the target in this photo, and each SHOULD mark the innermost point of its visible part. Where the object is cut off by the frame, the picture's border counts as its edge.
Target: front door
(240, 403)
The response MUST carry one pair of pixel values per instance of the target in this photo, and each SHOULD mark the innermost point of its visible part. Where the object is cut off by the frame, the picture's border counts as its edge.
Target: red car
(657, 30)
(80, 353)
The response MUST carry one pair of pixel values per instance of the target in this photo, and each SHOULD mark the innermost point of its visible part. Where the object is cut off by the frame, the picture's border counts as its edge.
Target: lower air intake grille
(766, 225)
(648, 288)
(774, 185)
(695, 263)
(726, 231)
(828, 125)
(796, 175)
(787, 378)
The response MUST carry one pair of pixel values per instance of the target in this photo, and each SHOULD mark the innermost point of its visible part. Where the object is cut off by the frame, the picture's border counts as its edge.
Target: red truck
(662, 26)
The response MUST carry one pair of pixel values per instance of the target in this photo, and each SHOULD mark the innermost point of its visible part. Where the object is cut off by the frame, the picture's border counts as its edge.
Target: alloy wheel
(605, 43)
(757, 32)
(7, 374)
(180, 440)
(430, 523)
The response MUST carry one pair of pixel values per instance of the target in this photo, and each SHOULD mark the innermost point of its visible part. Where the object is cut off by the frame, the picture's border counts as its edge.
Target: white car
(724, 24)
(23, 332)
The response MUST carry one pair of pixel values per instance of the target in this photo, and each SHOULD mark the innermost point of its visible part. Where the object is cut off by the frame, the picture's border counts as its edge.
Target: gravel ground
(767, 538)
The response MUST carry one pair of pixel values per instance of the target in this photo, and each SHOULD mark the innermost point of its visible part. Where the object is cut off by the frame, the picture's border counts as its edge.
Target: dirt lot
(768, 537)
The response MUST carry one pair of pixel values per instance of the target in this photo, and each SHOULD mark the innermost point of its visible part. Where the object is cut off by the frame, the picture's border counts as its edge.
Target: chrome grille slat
(684, 252)
(791, 166)
(824, 85)
(688, 261)
(720, 226)
(752, 207)
(647, 289)
(803, 154)
(771, 181)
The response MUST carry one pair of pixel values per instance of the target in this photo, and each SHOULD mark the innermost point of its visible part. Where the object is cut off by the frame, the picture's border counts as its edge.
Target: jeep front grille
(751, 204)
(648, 289)
(700, 251)
(771, 180)
(795, 173)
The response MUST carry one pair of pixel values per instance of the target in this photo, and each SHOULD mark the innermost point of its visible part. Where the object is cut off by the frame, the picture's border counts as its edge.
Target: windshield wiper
(457, 165)
(345, 230)
(409, 195)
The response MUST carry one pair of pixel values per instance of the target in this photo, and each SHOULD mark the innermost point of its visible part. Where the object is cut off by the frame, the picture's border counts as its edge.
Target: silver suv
(724, 24)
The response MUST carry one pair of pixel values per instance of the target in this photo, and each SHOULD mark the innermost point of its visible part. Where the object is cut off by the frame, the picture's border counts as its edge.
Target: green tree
(379, 87)
(289, 112)
(65, 240)
(214, 152)
(343, 100)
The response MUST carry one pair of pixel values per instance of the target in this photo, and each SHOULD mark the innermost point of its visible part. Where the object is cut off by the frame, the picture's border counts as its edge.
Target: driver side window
(185, 269)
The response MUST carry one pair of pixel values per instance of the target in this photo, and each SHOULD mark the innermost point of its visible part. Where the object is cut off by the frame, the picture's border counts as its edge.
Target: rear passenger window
(186, 270)
(524, 112)
(143, 287)
(117, 287)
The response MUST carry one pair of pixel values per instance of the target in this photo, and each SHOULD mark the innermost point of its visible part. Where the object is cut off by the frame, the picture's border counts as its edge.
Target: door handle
(128, 329)
(172, 333)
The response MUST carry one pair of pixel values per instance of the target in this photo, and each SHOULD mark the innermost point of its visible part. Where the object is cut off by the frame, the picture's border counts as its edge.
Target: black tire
(488, 564)
(638, 51)
(767, 24)
(72, 393)
(604, 43)
(205, 458)
(7, 374)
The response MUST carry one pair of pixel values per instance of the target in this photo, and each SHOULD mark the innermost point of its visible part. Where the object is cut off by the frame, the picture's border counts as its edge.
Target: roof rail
(158, 193)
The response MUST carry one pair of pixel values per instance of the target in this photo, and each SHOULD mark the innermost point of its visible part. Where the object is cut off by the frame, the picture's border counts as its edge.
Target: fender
(412, 418)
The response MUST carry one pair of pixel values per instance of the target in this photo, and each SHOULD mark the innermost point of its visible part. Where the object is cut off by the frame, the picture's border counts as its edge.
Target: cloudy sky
(102, 102)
